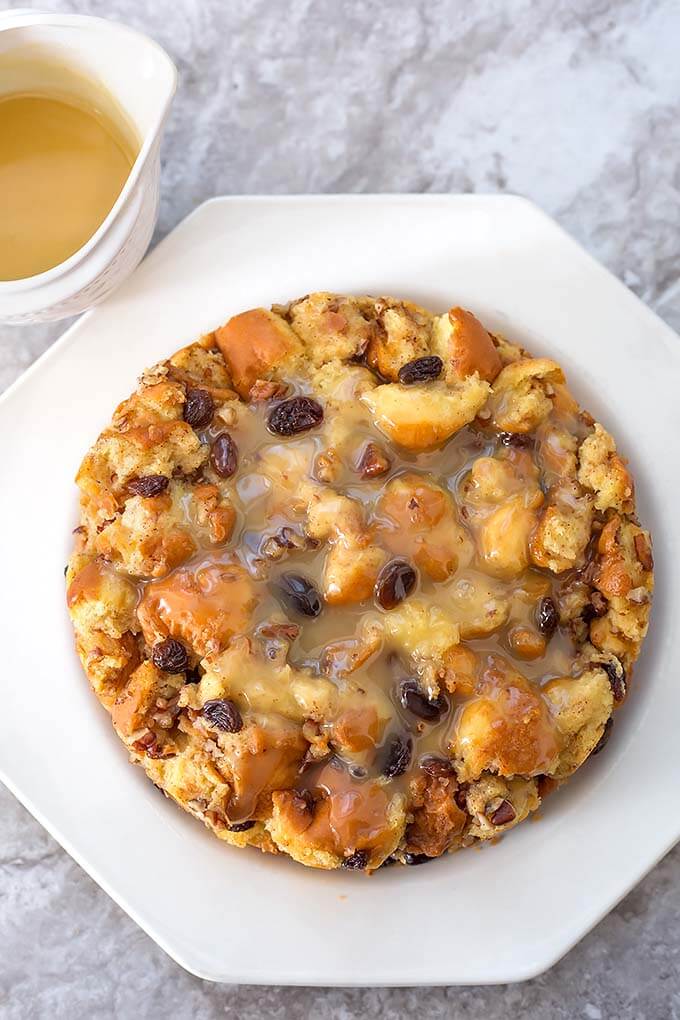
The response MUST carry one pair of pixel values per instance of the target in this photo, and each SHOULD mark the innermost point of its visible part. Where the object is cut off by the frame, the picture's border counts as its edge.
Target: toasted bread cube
(403, 334)
(480, 606)
(203, 608)
(602, 470)
(102, 604)
(464, 346)
(521, 395)
(265, 755)
(133, 707)
(321, 835)
(503, 538)
(199, 368)
(417, 519)
(257, 345)
(560, 540)
(351, 571)
(507, 729)
(422, 416)
(244, 673)
(497, 804)
(422, 629)
(582, 706)
(332, 326)
(438, 822)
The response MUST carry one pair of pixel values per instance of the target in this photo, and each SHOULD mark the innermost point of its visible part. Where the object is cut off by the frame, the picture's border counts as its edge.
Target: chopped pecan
(266, 389)
(287, 631)
(643, 551)
(500, 813)
(437, 817)
(149, 745)
(373, 461)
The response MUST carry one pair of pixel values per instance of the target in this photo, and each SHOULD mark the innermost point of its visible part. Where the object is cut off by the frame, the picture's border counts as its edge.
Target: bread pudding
(356, 582)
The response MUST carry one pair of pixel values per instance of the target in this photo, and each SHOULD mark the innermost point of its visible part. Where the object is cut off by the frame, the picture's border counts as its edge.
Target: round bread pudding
(358, 583)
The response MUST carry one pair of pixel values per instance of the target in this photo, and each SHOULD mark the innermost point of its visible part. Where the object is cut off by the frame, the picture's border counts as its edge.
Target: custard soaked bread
(358, 583)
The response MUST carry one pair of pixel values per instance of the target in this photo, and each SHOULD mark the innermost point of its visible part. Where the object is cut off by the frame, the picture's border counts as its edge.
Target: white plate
(502, 914)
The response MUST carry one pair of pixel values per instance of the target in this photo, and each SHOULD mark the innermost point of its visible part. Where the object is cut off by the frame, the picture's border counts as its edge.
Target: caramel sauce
(508, 723)
(204, 606)
(269, 761)
(352, 812)
(358, 729)
(63, 164)
(498, 670)
(90, 582)
(87, 582)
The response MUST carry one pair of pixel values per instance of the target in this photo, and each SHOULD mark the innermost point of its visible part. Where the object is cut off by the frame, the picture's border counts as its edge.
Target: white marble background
(574, 104)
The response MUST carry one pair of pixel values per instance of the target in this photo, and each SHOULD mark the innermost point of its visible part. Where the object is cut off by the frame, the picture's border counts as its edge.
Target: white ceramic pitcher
(141, 79)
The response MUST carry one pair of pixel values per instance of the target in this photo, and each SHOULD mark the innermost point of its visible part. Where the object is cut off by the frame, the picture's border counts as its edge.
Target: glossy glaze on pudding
(357, 582)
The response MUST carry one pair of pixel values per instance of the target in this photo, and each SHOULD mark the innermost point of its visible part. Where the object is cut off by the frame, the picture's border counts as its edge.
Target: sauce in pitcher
(63, 164)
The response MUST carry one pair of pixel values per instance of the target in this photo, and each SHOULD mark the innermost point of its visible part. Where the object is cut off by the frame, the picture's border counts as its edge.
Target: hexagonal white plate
(502, 914)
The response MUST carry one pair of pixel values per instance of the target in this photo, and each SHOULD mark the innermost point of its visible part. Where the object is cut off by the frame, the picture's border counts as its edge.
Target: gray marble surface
(574, 104)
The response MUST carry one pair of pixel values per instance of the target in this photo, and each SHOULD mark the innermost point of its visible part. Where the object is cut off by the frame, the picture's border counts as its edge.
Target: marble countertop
(573, 103)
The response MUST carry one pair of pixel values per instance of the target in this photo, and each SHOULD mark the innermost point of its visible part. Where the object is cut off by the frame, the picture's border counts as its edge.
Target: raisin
(503, 814)
(224, 715)
(199, 408)
(520, 440)
(606, 733)
(297, 414)
(398, 757)
(170, 656)
(356, 861)
(241, 826)
(299, 594)
(460, 797)
(373, 461)
(396, 581)
(415, 701)
(413, 859)
(421, 370)
(224, 455)
(547, 617)
(148, 485)
(617, 678)
(389, 861)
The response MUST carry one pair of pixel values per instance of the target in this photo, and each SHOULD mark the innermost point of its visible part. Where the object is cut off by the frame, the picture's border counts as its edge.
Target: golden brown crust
(465, 346)
(356, 582)
(422, 417)
(256, 345)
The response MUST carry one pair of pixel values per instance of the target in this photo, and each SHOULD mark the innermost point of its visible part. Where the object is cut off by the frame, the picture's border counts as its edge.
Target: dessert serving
(356, 582)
